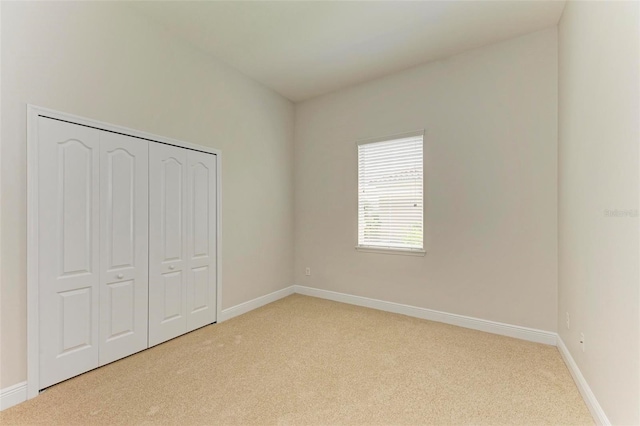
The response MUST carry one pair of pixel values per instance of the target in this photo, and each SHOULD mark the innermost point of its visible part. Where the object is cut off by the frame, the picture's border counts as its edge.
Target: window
(390, 194)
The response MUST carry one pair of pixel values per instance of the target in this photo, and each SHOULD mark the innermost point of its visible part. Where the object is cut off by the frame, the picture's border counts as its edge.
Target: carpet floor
(308, 361)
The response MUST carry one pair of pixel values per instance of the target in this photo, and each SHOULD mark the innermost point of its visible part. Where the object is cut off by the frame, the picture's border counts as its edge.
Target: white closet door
(201, 238)
(167, 242)
(123, 246)
(68, 229)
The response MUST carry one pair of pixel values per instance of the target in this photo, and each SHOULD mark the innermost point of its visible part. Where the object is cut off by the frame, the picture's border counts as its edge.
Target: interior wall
(104, 61)
(491, 184)
(599, 278)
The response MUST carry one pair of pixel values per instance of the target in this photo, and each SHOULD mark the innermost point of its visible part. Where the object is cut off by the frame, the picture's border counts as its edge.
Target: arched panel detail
(121, 173)
(171, 208)
(75, 186)
(200, 210)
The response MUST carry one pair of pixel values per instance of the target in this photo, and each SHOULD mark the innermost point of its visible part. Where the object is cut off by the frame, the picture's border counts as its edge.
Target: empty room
(319, 213)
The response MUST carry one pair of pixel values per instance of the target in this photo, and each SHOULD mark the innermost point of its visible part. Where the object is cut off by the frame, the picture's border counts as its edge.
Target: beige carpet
(303, 360)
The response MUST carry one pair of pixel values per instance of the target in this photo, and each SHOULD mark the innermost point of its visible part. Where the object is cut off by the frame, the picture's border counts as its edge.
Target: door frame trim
(33, 329)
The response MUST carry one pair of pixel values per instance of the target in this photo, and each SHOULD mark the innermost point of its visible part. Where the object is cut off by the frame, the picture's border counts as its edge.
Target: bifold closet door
(69, 256)
(123, 246)
(201, 238)
(182, 241)
(167, 242)
(93, 248)
(126, 245)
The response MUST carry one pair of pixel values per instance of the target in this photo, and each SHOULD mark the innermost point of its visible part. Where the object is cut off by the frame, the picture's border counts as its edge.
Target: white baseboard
(250, 305)
(524, 333)
(13, 395)
(589, 398)
(17, 393)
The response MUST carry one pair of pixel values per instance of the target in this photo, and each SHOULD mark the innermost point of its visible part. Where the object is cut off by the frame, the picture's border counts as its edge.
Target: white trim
(403, 251)
(585, 390)
(36, 110)
(33, 332)
(2, 391)
(18, 393)
(33, 362)
(524, 333)
(13, 395)
(218, 235)
(384, 250)
(256, 303)
(413, 134)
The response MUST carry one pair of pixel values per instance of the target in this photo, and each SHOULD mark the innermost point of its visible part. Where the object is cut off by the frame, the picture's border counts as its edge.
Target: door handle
(172, 267)
(120, 276)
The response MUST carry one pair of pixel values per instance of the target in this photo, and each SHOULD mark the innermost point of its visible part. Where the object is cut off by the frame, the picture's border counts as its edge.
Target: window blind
(390, 194)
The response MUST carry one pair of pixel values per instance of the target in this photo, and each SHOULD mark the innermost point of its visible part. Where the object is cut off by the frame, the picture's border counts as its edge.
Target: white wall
(599, 132)
(104, 61)
(491, 184)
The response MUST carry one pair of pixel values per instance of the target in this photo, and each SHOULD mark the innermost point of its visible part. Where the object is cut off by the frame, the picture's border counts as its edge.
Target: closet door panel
(168, 242)
(124, 246)
(68, 232)
(202, 198)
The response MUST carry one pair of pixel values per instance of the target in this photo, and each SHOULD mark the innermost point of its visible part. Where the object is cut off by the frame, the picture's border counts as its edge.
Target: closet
(182, 250)
(126, 235)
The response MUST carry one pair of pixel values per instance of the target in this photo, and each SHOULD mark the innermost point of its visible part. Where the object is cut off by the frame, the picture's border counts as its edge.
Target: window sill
(402, 252)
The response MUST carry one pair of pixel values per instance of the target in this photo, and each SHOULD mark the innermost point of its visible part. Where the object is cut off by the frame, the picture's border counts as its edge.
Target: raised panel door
(201, 239)
(68, 230)
(124, 246)
(167, 242)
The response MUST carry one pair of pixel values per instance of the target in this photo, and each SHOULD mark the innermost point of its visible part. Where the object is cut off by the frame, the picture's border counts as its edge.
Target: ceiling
(305, 49)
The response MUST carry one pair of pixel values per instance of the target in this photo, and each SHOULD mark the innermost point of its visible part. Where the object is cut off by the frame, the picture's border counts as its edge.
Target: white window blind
(390, 194)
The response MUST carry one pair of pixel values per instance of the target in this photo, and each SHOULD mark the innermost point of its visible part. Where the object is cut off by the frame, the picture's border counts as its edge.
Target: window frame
(390, 250)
